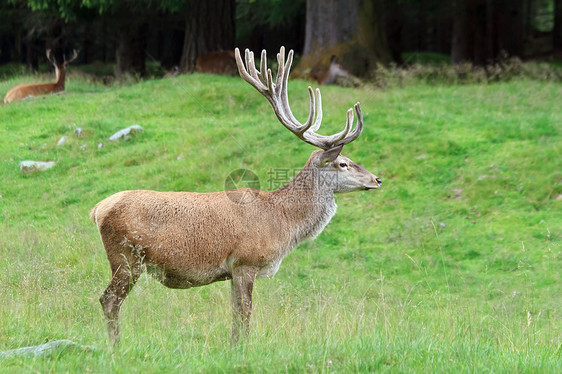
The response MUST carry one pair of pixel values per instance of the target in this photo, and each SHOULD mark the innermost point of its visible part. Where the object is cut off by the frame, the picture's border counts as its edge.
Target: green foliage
(251, 14)
(434, 68)
(71, 10)
(426, 58)
(452, 266)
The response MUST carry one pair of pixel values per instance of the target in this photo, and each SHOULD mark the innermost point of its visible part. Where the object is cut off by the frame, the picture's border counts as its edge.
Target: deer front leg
(241, 298)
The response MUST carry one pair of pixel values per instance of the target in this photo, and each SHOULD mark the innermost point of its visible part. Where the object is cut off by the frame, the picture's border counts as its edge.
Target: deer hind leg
(125, 273)
(241, 298)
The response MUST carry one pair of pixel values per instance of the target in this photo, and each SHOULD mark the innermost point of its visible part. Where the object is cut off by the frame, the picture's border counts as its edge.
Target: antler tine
(311, 111)
(343, 137)
(281, 87)
(263, 66)
(270, 85)
(358, 127)
(245, 74)
(50, 57)
(251, 67)
(241, 68)
(330, 141)
(281, 67)
(314, 127)
(74, 55)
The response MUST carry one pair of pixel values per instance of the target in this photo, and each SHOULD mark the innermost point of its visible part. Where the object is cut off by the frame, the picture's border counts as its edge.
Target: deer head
(346, 175)
(60, 69)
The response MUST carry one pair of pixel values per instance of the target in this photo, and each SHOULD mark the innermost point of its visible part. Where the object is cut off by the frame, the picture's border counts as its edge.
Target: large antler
(53, 60)
(276, 94)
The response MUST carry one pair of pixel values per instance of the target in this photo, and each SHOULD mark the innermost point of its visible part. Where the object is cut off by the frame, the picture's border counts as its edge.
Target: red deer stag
(188, 239)
(23, 91)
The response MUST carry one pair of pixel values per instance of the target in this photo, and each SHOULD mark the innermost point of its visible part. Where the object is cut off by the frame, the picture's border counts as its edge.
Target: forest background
(363, 34)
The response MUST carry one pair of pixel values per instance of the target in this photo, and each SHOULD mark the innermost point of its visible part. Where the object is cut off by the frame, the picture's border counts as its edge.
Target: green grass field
(454, 265)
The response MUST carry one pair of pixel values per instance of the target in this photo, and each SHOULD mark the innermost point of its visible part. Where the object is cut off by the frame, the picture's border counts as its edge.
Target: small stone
(442, 225)
(78, 132)
(458, 193)
(126, 133)
(29, 166)
(100, 145)
(62, 140)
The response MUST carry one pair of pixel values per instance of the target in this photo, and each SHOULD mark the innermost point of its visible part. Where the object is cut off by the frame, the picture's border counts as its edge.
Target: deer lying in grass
(23, 91)
(188, 239)
(330, 75)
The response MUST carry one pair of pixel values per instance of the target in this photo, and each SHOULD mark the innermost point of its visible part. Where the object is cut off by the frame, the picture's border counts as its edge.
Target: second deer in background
(217, 62)
(24, 91)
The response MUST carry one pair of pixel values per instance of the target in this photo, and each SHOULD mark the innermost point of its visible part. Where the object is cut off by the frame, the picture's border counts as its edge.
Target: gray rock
(458, 193)
(29, 166)
(126, 133)
(62, 140)
(44, 349)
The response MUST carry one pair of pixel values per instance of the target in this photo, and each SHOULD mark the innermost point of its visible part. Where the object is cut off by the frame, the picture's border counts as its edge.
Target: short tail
(93, 214)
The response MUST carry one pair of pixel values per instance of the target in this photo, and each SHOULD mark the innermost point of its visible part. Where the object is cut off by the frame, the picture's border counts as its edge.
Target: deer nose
(379, 181)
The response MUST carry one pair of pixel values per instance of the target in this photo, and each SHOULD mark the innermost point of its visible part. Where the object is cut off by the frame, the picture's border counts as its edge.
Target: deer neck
(307, 202)
(60, 74)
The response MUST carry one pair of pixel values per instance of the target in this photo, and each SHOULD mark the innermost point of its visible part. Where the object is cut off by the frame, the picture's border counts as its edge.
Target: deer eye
(343, 164)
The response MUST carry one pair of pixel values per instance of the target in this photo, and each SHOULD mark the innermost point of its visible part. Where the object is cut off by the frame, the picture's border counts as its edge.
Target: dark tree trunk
(460, 44)
(209, 26)
(557, 32)
(491, 30)
(352, 30)
(32, 56)
(479, 25)
(87, 44)
(511, 27)
(131, 46)
(483, 29)
(372, 30)
(169, 46)
(394, 26)
(329, 23)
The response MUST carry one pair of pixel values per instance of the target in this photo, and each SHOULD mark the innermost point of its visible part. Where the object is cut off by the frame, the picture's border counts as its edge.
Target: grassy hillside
(453, 265)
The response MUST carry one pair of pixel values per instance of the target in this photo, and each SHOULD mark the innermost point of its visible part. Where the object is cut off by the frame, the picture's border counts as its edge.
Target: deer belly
(187, 279)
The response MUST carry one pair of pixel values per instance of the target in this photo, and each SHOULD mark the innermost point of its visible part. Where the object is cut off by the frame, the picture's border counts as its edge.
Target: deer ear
(330, 155)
